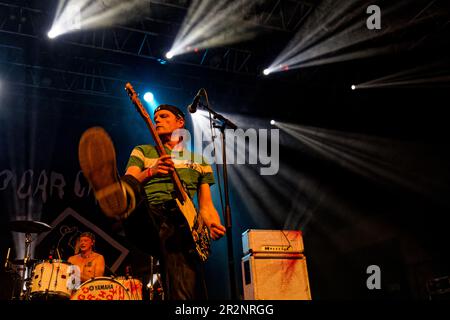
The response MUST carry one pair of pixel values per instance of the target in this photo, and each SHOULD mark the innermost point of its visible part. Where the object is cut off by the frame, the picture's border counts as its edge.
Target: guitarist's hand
(216, 231)
(163, 166)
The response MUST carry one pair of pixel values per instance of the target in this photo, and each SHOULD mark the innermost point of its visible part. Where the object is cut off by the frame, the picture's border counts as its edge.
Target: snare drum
(101, 288)
(52, 279)
(134, 287)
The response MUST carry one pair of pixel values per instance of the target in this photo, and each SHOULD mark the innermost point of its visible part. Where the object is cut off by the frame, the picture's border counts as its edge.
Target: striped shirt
(160, 188)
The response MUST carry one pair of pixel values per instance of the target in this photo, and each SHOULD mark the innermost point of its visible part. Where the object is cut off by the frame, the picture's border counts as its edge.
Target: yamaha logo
(101, 287)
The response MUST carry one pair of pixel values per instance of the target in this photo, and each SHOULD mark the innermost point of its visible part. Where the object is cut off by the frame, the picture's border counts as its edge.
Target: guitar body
(200, 234)
(188, 210)
(199, 231)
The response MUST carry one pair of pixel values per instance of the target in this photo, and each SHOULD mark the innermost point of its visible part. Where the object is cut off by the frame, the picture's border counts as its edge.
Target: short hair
(89, 235)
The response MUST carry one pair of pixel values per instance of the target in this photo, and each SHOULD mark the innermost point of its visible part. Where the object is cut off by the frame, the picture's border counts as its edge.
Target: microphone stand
(222, 125)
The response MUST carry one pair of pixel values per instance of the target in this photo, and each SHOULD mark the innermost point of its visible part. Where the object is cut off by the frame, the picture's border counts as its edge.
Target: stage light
(353, 87)
(272, 122)
(266, 72)
(149, 97)
(169, 55)
(76, 15)
(331, 35)
(52, 34)
(211, 24)
(426, 75)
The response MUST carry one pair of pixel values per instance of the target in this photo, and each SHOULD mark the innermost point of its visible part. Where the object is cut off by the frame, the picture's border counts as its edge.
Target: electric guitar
(198, 230)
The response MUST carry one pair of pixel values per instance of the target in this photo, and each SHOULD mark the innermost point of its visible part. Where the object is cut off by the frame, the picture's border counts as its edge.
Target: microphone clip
(192, 108)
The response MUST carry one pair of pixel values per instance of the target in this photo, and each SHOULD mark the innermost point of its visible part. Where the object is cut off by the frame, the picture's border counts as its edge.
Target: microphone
(194, 105)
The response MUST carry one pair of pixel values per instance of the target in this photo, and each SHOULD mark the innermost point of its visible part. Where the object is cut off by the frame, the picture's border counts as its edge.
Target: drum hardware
(26, 260)
(27, 227)
(151, 282)
(155, 285)
(14, 271)
(7, 263)
(21, 262)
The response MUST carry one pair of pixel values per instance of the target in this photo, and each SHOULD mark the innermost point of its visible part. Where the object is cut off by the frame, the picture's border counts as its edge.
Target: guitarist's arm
(209, 213)
(163, 166)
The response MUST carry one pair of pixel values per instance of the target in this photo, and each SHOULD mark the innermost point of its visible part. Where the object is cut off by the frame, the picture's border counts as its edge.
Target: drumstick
(7, 259)
(57, 252)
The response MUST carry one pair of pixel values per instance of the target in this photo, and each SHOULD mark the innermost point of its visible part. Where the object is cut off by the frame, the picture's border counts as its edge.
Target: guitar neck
(162, 152)
(159, 145)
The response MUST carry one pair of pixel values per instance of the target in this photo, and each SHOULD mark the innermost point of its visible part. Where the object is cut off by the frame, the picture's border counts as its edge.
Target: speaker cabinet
(275, 277)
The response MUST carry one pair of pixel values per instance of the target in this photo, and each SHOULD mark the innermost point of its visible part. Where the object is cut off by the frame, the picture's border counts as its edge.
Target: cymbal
(20, 261)
(28, 226)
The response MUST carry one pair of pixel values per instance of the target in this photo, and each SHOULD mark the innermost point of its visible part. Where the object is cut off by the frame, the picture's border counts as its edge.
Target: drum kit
(56, 279)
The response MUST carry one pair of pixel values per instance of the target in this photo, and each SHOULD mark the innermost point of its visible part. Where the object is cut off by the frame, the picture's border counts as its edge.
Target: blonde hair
(87, 234)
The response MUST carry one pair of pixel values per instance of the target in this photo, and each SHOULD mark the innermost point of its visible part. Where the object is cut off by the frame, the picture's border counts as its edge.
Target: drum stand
(155, 288)
(28, 227)
(152, 282)
(25, 272)
(15, 276)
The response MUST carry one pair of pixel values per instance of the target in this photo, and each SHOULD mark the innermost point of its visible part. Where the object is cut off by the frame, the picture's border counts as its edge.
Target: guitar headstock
(135, 99)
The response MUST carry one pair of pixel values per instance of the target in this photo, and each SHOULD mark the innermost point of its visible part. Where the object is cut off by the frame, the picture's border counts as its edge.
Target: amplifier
(275, 277)
(272, 241)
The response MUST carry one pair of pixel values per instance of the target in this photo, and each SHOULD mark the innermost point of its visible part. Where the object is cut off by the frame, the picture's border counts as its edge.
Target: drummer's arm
(99, 266)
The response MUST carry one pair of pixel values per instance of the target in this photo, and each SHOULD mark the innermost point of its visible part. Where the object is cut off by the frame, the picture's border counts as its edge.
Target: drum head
(51, 280)
(101, 288)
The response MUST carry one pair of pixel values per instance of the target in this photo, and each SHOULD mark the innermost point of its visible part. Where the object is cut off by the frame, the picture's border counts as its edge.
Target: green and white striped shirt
(159, 189)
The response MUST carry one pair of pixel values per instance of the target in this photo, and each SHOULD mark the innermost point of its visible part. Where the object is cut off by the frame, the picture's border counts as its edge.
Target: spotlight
(266, 71)
(149, 97)
(52, 34)
(272, 122)
(353, 87)
(169, 55)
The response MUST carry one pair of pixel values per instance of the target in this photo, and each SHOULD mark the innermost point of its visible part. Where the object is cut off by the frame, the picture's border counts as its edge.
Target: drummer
(91, 264)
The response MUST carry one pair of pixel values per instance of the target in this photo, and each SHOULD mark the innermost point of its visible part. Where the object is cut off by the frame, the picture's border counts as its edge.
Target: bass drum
(134, 287)
(101, 288)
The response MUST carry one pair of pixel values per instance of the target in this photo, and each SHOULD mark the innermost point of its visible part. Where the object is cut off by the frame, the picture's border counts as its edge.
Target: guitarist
(143, 200)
